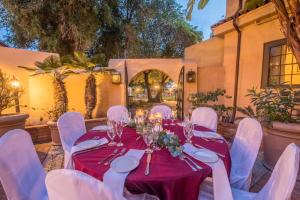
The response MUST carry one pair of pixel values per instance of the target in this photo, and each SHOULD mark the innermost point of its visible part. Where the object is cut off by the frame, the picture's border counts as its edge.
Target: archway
(150, 87)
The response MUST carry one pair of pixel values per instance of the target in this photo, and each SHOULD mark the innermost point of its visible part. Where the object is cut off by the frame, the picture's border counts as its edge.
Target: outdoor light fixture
(16, 85)
(116, 77)
(191, 76)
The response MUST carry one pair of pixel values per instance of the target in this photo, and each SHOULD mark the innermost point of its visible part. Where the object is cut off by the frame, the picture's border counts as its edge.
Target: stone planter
(89, 123)
(13, 121)
(227, 130)
(275, 140)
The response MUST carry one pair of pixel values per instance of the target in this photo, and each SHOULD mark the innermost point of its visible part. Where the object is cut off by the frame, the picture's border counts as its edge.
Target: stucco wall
(38, 90)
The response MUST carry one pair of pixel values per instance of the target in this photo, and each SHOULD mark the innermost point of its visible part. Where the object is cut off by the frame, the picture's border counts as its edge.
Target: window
(279, 65)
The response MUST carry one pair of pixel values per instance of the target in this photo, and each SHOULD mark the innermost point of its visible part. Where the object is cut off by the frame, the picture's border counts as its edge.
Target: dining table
(170, 178)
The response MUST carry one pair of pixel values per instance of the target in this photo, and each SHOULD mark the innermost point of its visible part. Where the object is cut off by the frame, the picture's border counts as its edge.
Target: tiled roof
(240, 13)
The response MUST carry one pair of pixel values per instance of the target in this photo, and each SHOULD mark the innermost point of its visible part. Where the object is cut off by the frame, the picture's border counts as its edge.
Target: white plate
(205, 156)
(100, 128)
(124, 164)
(88, 144)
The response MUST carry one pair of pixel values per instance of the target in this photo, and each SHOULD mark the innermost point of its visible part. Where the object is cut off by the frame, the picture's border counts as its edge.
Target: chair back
(283, 178)
(63, 184)
(163, 109)
(206, 117)
(118, 113)
(71, 126)
(21, 173)
(244, 152)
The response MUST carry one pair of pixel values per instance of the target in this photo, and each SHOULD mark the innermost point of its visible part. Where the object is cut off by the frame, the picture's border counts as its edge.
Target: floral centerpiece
(171, 142)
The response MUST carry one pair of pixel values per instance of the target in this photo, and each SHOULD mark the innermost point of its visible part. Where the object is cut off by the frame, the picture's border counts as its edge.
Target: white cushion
(206, 117)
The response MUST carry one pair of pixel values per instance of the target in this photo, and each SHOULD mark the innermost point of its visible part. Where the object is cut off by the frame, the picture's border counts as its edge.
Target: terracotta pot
(13, 121)
(228, 130)
(276, 139)
(90, 123)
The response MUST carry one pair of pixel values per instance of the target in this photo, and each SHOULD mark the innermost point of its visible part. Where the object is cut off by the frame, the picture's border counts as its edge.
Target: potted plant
(209, 99)
(9, 96)
(82, 64)
(277, 110)
(52, 65)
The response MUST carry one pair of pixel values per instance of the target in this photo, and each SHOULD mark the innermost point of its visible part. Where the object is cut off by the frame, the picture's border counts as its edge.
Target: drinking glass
(148, 139)
(188, 132)
(173, 117)
(111, 134)
(119, 131)
(155, 136)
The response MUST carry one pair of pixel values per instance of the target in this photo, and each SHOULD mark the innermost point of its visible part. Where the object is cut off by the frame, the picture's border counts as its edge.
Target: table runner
(170, 178)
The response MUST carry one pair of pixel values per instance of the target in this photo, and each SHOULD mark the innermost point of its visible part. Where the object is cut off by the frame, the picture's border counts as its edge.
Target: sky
(203, 19)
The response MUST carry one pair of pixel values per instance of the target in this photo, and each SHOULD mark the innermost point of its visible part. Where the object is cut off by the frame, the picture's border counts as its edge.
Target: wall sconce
(116, 77)
(191, 76)
(16, 85)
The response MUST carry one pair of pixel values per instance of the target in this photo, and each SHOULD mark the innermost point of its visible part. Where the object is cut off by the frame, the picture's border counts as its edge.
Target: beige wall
(38, 90)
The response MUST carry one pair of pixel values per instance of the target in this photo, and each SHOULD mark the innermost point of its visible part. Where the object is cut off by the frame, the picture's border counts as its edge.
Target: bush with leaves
(206, 99)
(271, 105)
(7, 92)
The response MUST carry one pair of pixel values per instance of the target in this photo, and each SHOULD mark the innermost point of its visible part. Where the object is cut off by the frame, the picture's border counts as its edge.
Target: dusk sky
(203, 19)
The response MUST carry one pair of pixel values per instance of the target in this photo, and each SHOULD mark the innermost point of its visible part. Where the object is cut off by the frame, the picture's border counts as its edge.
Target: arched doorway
(151, 87)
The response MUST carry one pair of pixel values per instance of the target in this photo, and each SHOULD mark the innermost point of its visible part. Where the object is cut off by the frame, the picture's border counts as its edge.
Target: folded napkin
(115, 181)
(207, 134)
(87, 144)
(100, 128)
(221, 185)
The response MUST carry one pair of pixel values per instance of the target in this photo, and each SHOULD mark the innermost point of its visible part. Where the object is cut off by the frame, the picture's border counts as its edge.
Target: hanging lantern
(116, 77)
(191, 76)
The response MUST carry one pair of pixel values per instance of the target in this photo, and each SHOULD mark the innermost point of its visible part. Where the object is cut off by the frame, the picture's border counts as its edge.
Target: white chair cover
(282, 181)
(163, 109)
(206, 117)
(118, 113)
(244, 152)
(71, 126)
(21, 173)
(65, 184)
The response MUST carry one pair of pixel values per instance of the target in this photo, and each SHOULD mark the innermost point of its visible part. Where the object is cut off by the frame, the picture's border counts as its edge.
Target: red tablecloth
(169, 179)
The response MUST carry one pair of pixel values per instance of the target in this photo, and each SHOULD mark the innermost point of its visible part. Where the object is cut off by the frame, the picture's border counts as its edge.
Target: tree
(288, 12)
(89, 65)
(52, 65)
(60, 26)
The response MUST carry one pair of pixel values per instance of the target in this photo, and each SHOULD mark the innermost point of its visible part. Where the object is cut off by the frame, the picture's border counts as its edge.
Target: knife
(147, 170)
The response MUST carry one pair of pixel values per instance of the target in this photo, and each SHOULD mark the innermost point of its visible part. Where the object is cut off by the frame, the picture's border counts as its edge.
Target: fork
(181, 157)
(219, 154)
(114, 156)
(195, 164)
(107, 157)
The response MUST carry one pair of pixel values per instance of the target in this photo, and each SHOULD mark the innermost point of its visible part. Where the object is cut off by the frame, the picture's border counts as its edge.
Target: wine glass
(155, 135)
(111, 134)
(148, 139)
(188, 132)
(119, 131)
(173, 117)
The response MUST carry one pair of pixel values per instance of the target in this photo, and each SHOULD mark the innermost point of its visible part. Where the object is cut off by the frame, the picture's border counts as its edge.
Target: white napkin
(87, 144)
(115, 181)
(221, 185)
(207, 134)
(100, 128)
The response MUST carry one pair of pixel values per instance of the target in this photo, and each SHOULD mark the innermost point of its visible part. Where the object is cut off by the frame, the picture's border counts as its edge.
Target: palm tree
(288, 12)
(85, 64)
(52, 65)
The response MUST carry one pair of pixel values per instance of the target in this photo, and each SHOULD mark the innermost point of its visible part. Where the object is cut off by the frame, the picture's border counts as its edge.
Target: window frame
(266, 61)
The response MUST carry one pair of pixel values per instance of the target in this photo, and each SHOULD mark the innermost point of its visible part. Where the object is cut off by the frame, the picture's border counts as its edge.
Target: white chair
(244, 152)
(206, 117)
(65, 184)
(21, 173)
(71, 126)
(281, 183)
(163, 109)
(118, 113)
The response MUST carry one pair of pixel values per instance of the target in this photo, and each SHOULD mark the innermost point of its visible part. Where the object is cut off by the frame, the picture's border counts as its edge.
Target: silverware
(88, 150)
(107, 157)
(139, 137)
(195, 164)
(147, 170)
(187, 162)
(116, 155)
(219, 154)
(96, 138)
(212, 139)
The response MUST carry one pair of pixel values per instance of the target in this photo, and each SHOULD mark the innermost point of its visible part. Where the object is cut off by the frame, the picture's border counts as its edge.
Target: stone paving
(52, 158)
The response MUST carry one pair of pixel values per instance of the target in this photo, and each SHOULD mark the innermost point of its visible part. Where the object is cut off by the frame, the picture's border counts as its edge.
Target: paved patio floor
(52, 158)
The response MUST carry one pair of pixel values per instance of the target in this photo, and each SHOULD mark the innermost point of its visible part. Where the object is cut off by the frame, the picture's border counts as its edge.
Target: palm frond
(27, 68)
